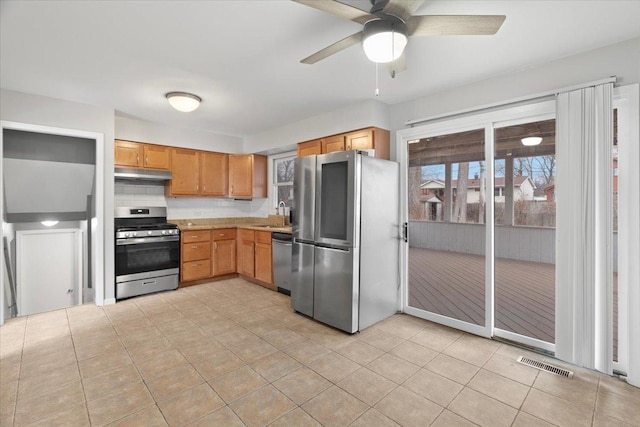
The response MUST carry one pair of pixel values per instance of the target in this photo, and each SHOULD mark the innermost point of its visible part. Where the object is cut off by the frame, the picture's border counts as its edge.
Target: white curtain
(584, 142)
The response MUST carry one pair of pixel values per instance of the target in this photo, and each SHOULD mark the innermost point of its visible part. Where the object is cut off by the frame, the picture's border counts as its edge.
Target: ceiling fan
(388, 25)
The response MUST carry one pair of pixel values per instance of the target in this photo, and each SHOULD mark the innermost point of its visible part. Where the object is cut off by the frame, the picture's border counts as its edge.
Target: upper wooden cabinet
(247, 176)
(139, 155)
(309, 148)
(155, 156)
(333, 143)
(363, 139)
(185, 170)
(214, 173)
(128, 154)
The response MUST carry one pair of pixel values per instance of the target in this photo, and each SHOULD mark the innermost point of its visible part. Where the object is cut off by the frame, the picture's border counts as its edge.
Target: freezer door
(302, 267)
(304, 198)
(338, 199)
(336, 288)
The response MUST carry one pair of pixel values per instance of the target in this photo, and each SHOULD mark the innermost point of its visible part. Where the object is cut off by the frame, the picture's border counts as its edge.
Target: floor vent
(545, 367)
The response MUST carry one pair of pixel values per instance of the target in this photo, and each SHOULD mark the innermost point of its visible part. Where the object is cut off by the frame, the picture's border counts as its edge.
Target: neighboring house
(432, 193)
(523, 189)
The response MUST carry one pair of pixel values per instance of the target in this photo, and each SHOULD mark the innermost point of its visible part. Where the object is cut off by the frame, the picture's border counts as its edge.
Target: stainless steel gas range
(147, 251)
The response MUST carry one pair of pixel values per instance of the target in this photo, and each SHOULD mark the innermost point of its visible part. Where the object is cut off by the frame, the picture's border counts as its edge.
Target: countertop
(259, 224)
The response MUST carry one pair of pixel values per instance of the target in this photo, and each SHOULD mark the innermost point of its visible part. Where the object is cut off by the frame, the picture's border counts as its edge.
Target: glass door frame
(489, 121)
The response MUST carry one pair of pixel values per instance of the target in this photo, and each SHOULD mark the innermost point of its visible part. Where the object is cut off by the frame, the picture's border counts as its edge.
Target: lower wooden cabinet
(195, 255)
(263, 262)
(254, 255)
(224, 251)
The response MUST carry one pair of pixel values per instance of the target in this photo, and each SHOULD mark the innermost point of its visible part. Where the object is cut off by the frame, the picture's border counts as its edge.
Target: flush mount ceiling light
(183, 101)
(531, 140)
(49, 223)
(384, 40)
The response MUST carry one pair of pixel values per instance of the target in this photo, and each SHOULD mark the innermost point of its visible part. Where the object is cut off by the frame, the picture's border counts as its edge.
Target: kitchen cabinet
(214, 173)
(185, 169)
(263, 257)
(195, 255)
(139, 155)
(310, 147)
(363, 139)
(127, 154)
(155, 156)
(333, 143)
(224, 251)
(245, 252)
(247, 176)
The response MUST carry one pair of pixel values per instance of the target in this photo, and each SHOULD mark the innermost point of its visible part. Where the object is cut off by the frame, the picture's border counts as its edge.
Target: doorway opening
(51, 207)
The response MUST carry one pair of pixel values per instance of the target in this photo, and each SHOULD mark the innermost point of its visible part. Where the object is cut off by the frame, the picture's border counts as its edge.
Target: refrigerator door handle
(334, 247)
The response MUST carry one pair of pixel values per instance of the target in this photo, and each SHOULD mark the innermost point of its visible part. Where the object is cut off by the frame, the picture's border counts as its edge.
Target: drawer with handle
(196, 270)
(196, 236)
(224, 234)
(195, 251)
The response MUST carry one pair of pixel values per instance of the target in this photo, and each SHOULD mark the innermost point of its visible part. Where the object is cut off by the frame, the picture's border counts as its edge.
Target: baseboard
(109, 301)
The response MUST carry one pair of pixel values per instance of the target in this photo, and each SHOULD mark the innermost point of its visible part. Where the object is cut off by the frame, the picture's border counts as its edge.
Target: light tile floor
(231, 353)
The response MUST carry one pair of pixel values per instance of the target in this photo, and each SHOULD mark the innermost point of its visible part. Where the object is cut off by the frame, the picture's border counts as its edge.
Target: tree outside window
(283, 180)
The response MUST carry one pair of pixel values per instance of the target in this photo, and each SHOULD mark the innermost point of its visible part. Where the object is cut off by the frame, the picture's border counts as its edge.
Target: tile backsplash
(151, 193)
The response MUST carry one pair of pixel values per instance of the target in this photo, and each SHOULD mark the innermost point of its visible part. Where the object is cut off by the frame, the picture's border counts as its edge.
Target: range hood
(142, 174)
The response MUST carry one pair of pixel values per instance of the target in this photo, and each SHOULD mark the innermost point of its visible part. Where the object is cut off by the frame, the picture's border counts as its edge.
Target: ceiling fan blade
(397, 66)
(403, 8)
(333, 49)
(338, 9)
(454, 25)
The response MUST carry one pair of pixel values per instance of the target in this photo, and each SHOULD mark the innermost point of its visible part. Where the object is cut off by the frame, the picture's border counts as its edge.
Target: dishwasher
(281, 246)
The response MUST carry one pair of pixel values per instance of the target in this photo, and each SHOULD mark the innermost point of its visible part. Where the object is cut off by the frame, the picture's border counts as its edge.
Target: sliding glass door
(524, 231)
(447, 227)
(481, 224)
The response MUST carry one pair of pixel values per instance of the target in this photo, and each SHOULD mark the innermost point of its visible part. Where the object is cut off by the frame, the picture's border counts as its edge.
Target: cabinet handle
(204, 188)
(215, 246)
(137, 158)
(194, 237)
(146, 160)
(197, 187)
(195, 247)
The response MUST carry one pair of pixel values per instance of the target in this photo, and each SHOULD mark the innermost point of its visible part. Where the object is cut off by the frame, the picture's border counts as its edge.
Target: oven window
(144, 257)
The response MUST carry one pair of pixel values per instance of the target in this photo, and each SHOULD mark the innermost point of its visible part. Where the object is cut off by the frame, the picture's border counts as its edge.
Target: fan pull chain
(377, 88)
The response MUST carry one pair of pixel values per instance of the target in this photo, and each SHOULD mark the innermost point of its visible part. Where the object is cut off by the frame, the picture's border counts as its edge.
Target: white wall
(355, 116)
(621, 60)
(142, 131)
(45, 111)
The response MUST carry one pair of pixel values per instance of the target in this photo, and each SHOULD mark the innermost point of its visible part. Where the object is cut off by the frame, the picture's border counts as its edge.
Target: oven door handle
(139, 240)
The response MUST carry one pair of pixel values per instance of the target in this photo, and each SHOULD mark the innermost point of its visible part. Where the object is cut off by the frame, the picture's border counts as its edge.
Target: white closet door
(49, 270)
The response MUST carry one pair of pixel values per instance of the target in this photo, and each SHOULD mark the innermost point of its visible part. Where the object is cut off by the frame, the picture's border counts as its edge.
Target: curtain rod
(479, 108)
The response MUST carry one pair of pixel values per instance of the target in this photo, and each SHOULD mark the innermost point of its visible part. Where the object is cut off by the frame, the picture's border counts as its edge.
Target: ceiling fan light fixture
(384, 40)
(183, 101)
(531, 141)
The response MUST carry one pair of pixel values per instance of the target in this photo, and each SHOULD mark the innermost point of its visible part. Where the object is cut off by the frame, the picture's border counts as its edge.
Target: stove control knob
(126, 234)
(149, 232)
(134, 234)
(164, 231)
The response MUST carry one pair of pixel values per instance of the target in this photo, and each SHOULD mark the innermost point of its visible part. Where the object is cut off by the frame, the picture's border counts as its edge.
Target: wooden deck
(452, 284)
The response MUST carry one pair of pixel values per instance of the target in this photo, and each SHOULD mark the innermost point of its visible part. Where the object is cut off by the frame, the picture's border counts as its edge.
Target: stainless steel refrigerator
(346, 234)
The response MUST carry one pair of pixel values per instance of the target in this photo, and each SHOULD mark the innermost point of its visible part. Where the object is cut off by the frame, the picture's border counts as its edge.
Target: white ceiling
(242, 57)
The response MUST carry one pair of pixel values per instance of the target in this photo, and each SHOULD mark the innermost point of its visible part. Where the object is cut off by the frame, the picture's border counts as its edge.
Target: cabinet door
(361, 140)
(309, 148)
(185, 168)
(224, 257)
(240, 175)
(248, 256)
(263, 263)
(128, 154)
(156, 156)
(333, 143)
(213, 174)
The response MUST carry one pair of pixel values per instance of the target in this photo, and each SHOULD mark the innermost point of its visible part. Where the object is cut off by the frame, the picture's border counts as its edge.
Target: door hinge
(405, 232)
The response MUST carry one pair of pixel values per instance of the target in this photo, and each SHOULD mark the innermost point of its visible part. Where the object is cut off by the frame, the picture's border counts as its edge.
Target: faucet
(284, 208)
